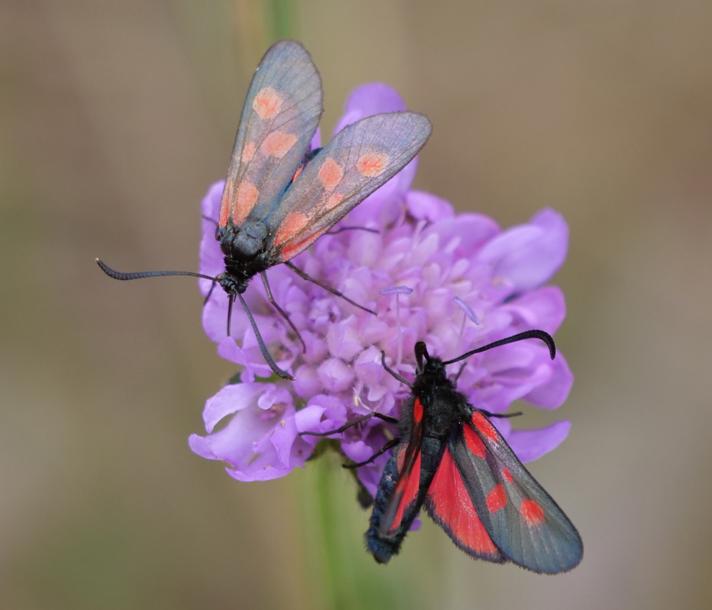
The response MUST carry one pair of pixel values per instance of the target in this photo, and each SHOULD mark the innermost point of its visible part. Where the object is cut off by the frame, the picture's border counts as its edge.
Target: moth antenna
(139, 275)
(263, 348)
(528, 334)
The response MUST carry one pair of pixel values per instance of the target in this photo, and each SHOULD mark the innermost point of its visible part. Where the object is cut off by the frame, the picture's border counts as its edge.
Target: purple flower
(455, 281)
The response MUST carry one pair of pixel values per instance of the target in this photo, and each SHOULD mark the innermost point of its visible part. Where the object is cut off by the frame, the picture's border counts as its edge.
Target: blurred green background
(116, 116)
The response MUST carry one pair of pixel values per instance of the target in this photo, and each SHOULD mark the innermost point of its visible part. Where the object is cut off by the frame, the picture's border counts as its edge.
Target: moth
(449, 458)
(279, 195)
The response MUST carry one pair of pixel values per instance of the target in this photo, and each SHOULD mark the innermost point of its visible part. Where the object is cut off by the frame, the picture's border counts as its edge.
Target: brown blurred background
(116, 116)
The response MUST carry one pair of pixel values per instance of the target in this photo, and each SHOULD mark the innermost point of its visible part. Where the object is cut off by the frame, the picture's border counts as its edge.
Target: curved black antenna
(527, 334)
(139, 275)
(263, 348)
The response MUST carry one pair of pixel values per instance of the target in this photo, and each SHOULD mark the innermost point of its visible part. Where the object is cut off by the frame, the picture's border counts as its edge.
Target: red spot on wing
(406, 491)
(330, 174)
(451, 504)
(532, 512)
(372, 164)
(496, 498)
(267, 103)
(291, 225)
(248, 152)
(298, 173)
(484, 426)
(473, 443)
(245, 199)
(278, 143)
(507, 475)
(417, 411)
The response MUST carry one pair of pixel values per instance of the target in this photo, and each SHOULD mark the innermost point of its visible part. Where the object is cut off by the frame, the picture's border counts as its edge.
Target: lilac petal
(425, 206)
(306, 381)
(335, 375)
(343, 339)
(530, 445)
(316, 139)
(211, 258)
(230, 399)
(471, 230)
(528, 255)
(543, 308)
(256, 442)
(370, 99)
(554, 392)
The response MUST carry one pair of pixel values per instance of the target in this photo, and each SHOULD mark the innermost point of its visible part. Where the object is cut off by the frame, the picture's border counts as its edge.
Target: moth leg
(389, 445)
(352, 423)
(350, 228)
(392, 373)
(326, 287)
(500, 415)
(260, 341)
(210, 292)
(204, 217)
(281, 311)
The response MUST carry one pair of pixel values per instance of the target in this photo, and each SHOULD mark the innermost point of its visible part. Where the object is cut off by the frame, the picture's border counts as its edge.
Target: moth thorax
(249, 240)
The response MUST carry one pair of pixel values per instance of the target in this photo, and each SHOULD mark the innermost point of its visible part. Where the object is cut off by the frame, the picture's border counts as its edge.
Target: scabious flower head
(455, 281)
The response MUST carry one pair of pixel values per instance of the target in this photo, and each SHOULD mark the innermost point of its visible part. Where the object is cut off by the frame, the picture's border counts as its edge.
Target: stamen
(397, 291)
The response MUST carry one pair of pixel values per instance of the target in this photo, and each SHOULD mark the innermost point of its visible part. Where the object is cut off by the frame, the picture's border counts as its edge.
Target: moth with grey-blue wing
(279, 196)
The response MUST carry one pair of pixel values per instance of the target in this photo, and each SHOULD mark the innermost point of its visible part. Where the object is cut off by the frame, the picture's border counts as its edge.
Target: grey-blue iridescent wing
(281, 113)
(358, 160)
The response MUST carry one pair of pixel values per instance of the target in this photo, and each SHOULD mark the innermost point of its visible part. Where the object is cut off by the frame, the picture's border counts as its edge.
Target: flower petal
(528, 255)
(370, 99)
(530, 445)
(554, 392)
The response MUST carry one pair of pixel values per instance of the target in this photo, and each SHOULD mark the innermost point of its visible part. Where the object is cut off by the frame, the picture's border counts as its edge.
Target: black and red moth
(279, 195)
(450, 458)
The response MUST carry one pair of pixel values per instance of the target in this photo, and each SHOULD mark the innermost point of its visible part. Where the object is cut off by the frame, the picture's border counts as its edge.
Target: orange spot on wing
(333, 200)
(485, 427)
(497, 498)
(330, 174)
(532, 512)
(473, 443)
(372, 164)
(298, 173)
(507, 475)
(248, 152)
(278, 143)
(292, 224)
(417, 411)
(245, 199)
(267, 103)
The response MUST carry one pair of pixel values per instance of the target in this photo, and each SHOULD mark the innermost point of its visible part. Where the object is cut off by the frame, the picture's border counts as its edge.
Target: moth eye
(267, 103)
